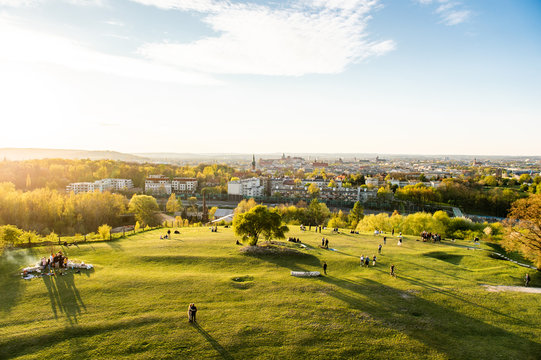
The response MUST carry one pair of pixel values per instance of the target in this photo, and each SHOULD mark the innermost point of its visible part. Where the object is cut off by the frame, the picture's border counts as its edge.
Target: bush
(105, 231)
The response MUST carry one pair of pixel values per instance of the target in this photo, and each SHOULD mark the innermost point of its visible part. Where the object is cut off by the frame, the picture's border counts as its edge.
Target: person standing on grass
(379, 249)
(374, 261)
(192, 310)
(325, 268)
(367, 261)
(362, 260)
(385, 240)
(392, 271)
(527, 279)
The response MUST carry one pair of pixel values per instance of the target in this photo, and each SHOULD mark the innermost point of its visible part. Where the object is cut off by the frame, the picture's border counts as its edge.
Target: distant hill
(28, 154)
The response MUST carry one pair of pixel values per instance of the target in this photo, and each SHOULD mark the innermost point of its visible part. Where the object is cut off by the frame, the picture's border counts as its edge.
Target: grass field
(133, 305)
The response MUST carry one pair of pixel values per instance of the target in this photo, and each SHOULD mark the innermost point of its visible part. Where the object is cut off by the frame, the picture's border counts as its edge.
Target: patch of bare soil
(498, 288)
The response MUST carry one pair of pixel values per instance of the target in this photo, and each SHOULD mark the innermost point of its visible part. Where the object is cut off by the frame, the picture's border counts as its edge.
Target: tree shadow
(295, 262)
(114, 244)
(443, 256)
(440, 328)
(215, 344)
(64, 296)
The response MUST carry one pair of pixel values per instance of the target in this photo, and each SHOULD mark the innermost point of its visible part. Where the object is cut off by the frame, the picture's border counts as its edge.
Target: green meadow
(133, 304)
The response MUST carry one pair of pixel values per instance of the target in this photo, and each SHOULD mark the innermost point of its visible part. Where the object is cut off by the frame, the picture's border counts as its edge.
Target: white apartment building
(184, 185)
(252, 187)
(158, 184)
(100, 185)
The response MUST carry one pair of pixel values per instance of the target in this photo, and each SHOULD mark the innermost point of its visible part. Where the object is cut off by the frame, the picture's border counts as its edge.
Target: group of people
(427, 236)
(365, 261)
(325, 243)
(214, 229)
(55, 261)
(295, 240)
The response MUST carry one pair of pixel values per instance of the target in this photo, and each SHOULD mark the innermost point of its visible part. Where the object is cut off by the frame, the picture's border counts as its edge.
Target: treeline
(437, 223)
(469, 196)
(58, 173)
(44, 210)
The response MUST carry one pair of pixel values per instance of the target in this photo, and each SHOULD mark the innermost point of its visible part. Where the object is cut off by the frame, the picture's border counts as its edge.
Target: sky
(297, 76)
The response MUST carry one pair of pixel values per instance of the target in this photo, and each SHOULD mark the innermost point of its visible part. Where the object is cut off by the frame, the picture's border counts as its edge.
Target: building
(184, 185)
(158, 184)
(252, 187)
(100, 185)
(80, 187)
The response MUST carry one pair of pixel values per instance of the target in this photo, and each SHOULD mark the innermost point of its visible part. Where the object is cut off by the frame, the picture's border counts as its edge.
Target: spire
(253, 162)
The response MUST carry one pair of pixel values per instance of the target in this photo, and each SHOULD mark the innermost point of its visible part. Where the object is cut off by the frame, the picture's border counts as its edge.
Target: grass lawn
(133, 305)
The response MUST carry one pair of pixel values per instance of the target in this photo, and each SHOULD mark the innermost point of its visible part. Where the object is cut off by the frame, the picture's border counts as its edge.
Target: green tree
(525, 178)
(144, 208)
(212, 211)
(332, 184)
(193, 204)
(172, 205)
(422, 178)
(318, 213)
(104, 231)
(523, 228)
(244, 206)
(9, 235)
(259, 221)
(356, 214)
(313, 190)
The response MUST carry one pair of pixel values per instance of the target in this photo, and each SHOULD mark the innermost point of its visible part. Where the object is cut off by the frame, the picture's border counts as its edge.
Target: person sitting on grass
(192, 310)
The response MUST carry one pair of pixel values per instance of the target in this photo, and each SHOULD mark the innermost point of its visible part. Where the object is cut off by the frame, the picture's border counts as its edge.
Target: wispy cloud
(307, 37)
(29, 3)
(22, 46)
(114, 23)
(450, 12)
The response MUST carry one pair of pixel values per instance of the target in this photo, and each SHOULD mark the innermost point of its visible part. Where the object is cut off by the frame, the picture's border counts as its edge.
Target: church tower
(253, 162)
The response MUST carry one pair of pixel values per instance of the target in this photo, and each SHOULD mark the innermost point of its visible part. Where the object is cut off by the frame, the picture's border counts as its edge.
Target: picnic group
(49, 265)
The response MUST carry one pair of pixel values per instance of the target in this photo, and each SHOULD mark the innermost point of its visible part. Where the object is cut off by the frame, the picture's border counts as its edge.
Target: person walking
(192, 310)
(379, 249)
(385, 240)
(374, 261)
(367, 261)
(326, 243)
(325, 268)
(362, 260)
(527, 279)
(392, 271)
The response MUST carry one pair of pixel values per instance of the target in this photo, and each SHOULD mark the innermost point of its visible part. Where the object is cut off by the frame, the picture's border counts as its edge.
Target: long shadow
(11, 347)
(440, 328)
(215, 344)
(114, 244)
(295, 262)
(64, 296)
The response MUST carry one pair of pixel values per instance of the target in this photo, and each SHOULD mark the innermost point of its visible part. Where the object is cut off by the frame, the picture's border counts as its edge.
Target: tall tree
(523, 228)
(356, 214)
(145, 209)
(172, 205)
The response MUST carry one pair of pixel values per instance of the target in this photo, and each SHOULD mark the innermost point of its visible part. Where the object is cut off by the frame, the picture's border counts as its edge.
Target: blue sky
(408, 76)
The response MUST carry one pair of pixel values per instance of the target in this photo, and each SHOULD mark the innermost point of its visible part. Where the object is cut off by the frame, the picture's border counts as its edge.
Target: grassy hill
(133, 305)
(15, 154)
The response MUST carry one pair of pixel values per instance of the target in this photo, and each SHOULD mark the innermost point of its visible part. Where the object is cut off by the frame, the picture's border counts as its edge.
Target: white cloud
(318, 37)
(19, 3)
(31, 3)
(450, 12)
(22, 46)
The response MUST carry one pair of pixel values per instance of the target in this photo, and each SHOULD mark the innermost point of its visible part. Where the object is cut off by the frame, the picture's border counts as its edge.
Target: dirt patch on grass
(499, 288)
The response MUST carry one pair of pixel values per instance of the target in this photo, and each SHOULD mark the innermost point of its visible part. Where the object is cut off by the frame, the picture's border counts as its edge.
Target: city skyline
(361, 76)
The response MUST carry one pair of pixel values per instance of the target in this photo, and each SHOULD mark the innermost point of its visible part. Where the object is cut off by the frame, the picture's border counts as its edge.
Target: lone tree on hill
(523, 228)
(259, 221)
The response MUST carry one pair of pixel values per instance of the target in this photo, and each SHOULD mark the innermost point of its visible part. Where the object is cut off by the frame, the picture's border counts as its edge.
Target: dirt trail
(498, 288)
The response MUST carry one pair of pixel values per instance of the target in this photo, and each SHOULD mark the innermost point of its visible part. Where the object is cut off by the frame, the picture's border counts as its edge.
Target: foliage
(172, 205)
(356, 214)
(9, 235)
(317, 213)
(144, 207)
(244, 206)
(104, 231)
(313, 190)
(259, 221)
(523, 228)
